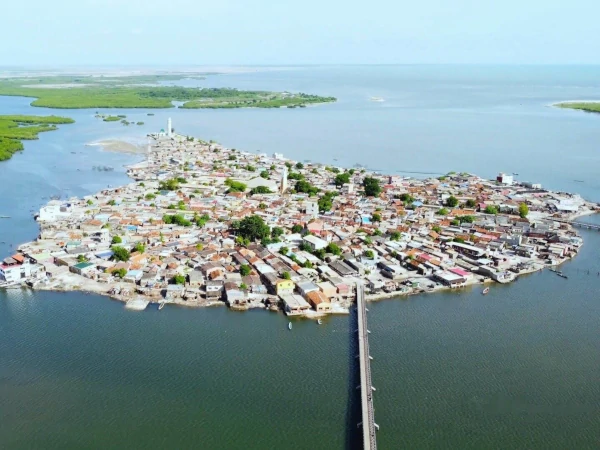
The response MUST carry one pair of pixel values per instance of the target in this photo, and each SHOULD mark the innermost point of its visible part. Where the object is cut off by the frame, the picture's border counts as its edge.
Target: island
(202, 224)
(587, 106)
(14, 129)
(65, 92)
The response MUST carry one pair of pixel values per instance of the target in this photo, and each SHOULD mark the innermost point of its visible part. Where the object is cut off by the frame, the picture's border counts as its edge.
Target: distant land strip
(65, 92)
(591, 106)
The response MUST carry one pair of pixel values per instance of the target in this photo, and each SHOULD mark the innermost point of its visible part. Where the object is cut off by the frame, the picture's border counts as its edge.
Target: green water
(518, 368)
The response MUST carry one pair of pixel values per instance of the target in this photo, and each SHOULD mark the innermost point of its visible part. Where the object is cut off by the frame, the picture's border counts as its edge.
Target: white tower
(169, 127)
(284, 181)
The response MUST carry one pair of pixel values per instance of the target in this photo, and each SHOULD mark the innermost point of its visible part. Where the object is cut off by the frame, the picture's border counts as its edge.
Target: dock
(368, 424)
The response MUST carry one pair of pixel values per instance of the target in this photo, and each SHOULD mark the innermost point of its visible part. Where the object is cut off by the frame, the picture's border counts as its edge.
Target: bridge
(366, 387)
(589, 226)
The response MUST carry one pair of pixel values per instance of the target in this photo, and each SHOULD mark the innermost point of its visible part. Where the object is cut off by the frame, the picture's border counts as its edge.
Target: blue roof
(417, 203)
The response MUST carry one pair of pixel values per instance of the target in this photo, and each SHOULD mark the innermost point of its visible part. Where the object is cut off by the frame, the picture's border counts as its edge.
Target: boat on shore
(485, 291)
(161, 305)
(319, 321)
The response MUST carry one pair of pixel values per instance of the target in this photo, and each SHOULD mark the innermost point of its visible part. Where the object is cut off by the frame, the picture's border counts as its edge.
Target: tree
(265, 174)
(371, 186)
(377, 232)
(178, 279)
(111, 202)
(250, 168)
(150, 196)
(436, 228)
(451, 201)
(120, 272)
(89, 202)
(276, 232)
(82, 259)
(245, 270)
(260, 190)
(286, 276)
(395, 236)
(442, 212)
(120, 253)
(235, 186)
(284, 250)
(243, 287)
(341, 179)
(466, 219)
(299, 166)
(169, 185)
(253, 228)
(297, 228)
(490, 209)
(139, 247)
(117, 240)
(306, 187)
(369, 254)
(471, 203)
(333, 249)
(325, 203)
(523, 210)
(376, 217)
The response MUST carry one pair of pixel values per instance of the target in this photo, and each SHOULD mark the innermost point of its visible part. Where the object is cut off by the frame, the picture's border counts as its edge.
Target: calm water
(517, 368)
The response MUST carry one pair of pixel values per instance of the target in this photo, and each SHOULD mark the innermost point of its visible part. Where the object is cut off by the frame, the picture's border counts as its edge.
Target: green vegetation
(326, 202)
(120, 273)
(297, 228)
(491, 210)
(369, 254)
(117, 240)
(260, 190)
(395, 236)
(169, 185)
(306, 187)
(442, 212)
(376, 217)
(341, 179)
(15, 128)
(470, 203)
(111, 119)
(120, 253)
(286, 276)
(452, 201)
(176, 219)
(235, 186)
(178, 279)
(143, 92)
(523, 210)
(245, 270)
(139, 247)
(265, 174)
(252, 228)
(372, 187)
(593, 107)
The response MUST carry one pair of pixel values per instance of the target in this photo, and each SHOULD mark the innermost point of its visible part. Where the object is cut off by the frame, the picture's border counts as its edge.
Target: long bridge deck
(366, 387)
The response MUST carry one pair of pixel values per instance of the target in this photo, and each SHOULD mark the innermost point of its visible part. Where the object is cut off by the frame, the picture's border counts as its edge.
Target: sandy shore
(118, 146)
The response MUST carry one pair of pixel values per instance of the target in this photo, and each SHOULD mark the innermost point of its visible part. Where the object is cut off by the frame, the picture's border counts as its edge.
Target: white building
(54, 210)
(278, 156)
(169, 127)
(13, 271)
(315, 242)
(504, 178)
(312, 209)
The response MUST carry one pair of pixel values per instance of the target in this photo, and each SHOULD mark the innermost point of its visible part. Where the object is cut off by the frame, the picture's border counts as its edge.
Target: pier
(589, 226)
(368, 424)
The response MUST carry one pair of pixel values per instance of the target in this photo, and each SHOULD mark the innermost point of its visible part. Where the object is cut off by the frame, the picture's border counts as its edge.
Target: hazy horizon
(267, 33)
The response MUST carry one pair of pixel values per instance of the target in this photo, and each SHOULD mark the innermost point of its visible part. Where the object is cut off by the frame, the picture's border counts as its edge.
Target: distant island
(14, 129)
(67, 92)
(591, 106)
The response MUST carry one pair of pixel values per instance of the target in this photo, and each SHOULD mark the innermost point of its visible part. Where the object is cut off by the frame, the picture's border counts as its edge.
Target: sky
(283, 32)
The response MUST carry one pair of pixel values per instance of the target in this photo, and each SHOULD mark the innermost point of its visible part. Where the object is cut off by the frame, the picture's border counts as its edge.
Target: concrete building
(169, 128)
(13, 271)
(504, 178)
(315, 242)
(294, 304)
(319, 301)
(284, 180)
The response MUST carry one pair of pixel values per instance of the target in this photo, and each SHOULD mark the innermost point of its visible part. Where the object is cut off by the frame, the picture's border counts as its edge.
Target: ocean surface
(518, 368)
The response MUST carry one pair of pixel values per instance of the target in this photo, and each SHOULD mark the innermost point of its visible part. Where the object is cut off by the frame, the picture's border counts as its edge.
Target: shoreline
(73, 282)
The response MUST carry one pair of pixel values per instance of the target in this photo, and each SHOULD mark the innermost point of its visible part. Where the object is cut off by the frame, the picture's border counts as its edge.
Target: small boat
(485, 291)
(4, 217)
(290, 326)
(319, 321)
(161, 305)
(562, 275)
